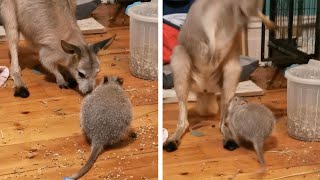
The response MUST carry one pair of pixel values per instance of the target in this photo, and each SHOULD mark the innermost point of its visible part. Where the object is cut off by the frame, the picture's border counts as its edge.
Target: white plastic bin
(304, 101)
(144, 40)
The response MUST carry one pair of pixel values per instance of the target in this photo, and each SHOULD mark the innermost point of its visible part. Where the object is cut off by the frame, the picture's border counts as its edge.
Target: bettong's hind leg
(11, 28)
(180, 64)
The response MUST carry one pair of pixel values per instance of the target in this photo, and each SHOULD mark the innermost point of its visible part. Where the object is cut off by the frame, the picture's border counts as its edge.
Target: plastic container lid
(147, 12)
(305, 74)
(314, 63)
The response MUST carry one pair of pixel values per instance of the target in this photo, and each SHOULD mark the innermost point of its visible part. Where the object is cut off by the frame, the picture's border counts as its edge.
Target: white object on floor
(4, 74)
(165, 135)
(3, 35)
(87, 26)
(91, 26)
(108, 1)
(245, 88)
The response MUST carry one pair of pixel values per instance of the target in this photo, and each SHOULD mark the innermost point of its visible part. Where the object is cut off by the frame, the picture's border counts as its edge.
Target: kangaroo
(105, 117)
(247, 122)
(50, 25)
(206, 59)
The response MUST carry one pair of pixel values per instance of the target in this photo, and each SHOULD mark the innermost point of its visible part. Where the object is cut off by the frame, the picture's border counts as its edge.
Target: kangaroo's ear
(120, 80)
(102, 44)
(70, 48)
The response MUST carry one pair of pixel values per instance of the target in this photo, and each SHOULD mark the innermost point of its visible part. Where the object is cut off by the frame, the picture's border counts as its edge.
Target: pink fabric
(4, 74)
(164, 135)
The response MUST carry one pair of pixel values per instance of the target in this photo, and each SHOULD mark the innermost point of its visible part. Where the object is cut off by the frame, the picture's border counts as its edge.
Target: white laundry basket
(304, 101)
(144, 40)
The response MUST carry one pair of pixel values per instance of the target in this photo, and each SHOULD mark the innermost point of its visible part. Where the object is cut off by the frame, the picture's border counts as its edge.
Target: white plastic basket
(144, 40)
(304, 101)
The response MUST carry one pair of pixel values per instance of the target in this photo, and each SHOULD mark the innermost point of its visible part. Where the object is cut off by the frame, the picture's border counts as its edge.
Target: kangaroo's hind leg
(181, 76)
(8, 14)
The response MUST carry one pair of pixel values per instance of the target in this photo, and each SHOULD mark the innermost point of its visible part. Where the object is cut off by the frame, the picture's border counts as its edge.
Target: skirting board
(245, 88)
(87, 26)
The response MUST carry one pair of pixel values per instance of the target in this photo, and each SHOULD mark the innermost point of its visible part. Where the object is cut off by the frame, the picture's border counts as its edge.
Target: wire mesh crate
(297, 38)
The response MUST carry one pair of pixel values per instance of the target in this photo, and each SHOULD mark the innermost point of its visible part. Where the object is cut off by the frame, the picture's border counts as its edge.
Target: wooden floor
(205, 158)
(40, 136)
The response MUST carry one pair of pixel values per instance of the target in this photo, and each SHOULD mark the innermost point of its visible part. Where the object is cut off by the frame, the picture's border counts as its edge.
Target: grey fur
(45, 23)
(206, 59)
(249, 122)
(105, 117)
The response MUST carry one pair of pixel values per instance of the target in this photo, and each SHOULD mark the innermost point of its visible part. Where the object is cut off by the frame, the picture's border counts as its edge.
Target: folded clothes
(4, 75)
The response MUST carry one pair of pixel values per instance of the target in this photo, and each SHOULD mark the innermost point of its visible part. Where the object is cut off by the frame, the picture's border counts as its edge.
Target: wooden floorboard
(40, 137)
(205, 158)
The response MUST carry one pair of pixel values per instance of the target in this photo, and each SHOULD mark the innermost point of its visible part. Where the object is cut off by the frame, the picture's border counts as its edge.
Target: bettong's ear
(103, 44)
(243, 101)
(105, 79)
(70, 48)
(120, 80)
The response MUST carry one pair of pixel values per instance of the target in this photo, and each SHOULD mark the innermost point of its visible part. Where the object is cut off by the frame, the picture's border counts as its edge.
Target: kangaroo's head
(84, 64)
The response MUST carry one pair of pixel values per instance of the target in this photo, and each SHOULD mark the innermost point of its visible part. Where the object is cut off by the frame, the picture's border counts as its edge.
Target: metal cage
(297, 38)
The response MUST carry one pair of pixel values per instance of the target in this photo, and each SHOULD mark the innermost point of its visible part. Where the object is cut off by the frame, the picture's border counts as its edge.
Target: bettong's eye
(81, 74)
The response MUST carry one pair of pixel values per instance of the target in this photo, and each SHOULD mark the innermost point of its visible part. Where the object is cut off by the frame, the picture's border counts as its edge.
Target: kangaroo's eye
(81, 74)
